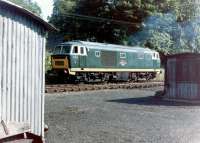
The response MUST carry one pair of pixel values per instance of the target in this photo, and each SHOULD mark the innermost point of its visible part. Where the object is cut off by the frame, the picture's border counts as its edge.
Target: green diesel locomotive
(91, 61)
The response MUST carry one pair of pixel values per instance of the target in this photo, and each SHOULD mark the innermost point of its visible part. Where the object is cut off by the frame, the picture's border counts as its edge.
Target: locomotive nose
(60, 62)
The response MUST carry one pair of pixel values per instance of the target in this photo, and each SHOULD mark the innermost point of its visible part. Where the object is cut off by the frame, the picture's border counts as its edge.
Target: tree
(169, 26)
(28, 4)
(124, 18)
(161, 42)
(178, 29)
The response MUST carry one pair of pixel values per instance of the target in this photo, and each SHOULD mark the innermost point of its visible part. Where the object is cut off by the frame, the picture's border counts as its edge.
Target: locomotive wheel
(135, 78)
(72, 80)
(148, 77)
(103, 78)
(65, 80)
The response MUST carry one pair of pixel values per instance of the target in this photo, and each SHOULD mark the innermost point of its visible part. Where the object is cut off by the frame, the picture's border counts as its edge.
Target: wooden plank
(13, 129)
(21, 141)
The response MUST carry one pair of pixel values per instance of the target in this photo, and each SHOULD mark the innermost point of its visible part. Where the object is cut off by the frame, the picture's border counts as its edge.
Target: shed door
(82, 59)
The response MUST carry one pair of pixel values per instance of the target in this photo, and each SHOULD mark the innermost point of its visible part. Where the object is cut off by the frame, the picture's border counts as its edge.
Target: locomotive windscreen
(108, 58)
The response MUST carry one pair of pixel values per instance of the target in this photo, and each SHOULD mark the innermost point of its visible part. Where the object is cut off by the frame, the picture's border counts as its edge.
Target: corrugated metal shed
(22, 54)
(182, 79)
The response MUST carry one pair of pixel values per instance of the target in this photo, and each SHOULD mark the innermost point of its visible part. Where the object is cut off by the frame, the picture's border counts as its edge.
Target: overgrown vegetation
(164, 33)
(48, 65)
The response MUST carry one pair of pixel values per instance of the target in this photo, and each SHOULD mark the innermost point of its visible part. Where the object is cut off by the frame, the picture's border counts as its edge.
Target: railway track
(56, 88)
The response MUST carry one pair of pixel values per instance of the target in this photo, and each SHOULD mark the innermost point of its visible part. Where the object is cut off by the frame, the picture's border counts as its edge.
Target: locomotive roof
(105, 46)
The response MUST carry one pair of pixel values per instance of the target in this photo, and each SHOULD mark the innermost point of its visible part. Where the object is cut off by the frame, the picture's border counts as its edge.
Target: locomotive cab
(156, 60)
(64, 56)
(59, 59)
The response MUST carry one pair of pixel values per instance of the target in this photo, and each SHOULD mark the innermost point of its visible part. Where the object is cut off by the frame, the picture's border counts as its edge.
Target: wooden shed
(182, 79)
(22, 55)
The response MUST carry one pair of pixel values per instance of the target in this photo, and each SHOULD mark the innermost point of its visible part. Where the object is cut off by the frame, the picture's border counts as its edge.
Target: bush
(48, 65)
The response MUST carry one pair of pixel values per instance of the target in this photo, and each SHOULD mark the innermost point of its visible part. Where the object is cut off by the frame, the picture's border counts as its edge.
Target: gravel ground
(119, 116)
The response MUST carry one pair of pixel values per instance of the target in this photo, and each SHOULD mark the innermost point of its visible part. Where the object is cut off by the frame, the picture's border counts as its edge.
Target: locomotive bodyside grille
(108, 58)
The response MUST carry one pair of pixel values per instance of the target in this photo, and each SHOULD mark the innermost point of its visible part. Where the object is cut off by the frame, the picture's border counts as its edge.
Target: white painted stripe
(112, 70)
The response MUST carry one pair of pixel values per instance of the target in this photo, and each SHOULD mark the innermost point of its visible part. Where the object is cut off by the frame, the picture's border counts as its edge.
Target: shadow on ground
(151, 101)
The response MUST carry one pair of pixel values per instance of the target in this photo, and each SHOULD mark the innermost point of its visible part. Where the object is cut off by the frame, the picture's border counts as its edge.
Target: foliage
(28, 4)
(169, 26)
(161, 42)
(132, 11)
(48, 65)
(164, 33)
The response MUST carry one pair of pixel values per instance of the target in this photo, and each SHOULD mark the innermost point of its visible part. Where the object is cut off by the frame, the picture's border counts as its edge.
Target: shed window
(97, 54)
(122, 55)
(75, 49)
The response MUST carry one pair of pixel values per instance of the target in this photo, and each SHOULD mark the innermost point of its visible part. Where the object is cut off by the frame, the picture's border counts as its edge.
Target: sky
(46, 7)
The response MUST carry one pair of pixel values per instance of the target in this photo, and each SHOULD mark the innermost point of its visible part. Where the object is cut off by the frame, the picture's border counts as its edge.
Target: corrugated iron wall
(183, 77)
(171, 78)
(22, 50)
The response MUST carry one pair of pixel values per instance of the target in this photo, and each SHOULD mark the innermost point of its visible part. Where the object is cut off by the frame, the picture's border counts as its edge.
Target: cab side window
(155, 56)
(82, 50)
(75, 50)
(158, 56)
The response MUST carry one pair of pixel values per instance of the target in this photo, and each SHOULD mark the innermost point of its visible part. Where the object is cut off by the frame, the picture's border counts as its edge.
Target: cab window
(155, 56)
(82, 50)
(66, 49)
(158, 56)
(75, 50)
(57, 50)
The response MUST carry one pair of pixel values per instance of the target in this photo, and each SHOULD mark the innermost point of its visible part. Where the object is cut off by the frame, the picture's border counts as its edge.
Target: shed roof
(28, 13)
(184, 55)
